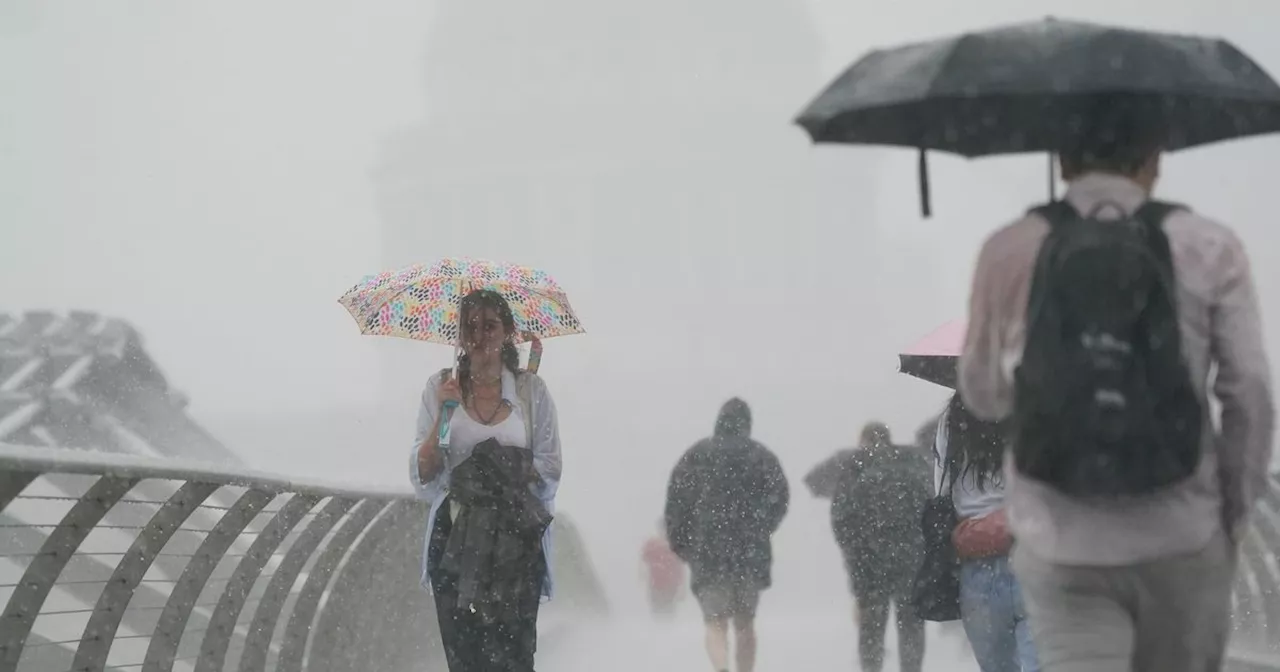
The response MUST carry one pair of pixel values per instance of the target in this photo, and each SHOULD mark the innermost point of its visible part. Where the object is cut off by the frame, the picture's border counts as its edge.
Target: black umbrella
(1039, 87)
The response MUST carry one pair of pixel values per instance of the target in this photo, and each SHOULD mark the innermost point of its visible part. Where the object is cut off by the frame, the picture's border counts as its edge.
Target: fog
(219, 173)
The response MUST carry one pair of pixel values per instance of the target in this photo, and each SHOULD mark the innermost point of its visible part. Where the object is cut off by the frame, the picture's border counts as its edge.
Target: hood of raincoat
(875, 434)
(735, 419)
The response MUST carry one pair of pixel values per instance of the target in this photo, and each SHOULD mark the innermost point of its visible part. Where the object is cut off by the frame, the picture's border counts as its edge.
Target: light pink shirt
(1220, 325)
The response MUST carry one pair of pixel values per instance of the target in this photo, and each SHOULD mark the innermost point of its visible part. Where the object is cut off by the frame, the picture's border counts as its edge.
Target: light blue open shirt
(544, 442)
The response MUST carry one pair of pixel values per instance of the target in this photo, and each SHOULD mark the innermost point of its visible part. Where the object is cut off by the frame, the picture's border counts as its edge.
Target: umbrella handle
(535, 354)
(442, 439)
(446, 410)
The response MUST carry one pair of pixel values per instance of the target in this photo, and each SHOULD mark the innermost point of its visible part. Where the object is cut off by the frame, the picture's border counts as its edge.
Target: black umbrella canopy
(1039, 86)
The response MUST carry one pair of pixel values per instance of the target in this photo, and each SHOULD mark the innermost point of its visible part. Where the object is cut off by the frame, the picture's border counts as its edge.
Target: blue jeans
(994, 618)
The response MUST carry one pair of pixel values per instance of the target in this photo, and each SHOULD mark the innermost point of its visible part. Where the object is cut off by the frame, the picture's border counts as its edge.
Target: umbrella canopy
(934, 357)
(1040, 86)
(421, 302)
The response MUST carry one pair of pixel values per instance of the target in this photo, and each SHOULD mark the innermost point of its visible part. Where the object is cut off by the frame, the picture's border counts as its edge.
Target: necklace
(496, 410)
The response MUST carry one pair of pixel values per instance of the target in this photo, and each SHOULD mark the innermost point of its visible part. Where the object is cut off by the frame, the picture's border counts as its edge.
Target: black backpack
(1104, 404)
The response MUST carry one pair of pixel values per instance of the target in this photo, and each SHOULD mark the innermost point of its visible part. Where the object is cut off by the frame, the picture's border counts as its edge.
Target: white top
(970, 501)
(465, 433)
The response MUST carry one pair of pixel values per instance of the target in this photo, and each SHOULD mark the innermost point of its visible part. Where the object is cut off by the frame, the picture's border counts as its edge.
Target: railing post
(173, 620)
(376, 615)
(257, 645)
(45, 568)
(304, 610)
(12, 483)
(213, 651)
(99, 633)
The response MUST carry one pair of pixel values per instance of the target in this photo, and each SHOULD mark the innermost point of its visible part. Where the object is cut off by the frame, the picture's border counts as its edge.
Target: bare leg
(718, 643)
(744, 633)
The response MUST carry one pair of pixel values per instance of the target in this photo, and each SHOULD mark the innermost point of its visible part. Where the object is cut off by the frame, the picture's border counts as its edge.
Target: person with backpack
(1094, 325)
(970, 457)
(875, 516)
(726, 498)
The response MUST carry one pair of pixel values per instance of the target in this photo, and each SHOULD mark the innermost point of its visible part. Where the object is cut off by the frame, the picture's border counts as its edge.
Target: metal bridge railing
(125, 563)
(122, 563)
(1256, 598)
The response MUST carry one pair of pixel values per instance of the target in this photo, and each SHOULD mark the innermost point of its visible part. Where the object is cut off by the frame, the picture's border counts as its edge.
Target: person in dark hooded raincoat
(726, 498)
(875, 515)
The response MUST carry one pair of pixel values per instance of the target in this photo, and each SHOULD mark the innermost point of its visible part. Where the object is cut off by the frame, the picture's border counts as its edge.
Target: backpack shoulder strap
(1152, 215)
(1152, 211)
(1055, 212)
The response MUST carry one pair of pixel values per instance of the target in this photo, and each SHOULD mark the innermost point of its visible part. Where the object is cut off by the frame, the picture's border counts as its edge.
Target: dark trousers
(879, 581)
(470, 644)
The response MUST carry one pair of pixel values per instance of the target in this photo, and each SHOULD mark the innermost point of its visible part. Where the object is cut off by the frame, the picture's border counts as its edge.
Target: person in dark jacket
(875, 515)
(726, 498)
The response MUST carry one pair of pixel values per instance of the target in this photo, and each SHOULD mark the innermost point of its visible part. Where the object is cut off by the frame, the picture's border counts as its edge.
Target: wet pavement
(821, 637)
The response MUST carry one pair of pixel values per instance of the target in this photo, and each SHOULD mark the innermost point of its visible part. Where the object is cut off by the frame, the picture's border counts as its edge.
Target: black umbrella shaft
(926, 208)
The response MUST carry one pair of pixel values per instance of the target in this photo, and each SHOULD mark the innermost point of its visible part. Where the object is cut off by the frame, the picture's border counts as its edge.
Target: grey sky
(204, 170)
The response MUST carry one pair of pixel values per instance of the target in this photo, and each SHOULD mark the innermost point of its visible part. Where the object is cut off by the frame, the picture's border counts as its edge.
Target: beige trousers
(1168, 615)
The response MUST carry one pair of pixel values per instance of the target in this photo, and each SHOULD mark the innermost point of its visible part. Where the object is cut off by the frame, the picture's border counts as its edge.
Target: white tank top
(466, 433)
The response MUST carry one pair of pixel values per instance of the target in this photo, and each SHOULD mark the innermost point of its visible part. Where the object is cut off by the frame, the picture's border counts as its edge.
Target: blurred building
(83, 380)
(617, 139)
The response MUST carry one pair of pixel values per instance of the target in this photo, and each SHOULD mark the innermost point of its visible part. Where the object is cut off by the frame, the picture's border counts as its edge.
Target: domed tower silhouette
(626, 136)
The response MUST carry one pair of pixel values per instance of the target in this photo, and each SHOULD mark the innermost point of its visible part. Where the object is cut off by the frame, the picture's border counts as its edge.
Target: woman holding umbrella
(490, 405)
(970, 455)
(485, 424)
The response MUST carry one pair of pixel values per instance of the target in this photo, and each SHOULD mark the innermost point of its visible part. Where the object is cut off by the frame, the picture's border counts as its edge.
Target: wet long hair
(977, 445)
(479, 300)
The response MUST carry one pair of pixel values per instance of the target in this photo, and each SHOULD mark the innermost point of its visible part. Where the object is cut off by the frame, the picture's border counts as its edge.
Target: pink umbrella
(934, 357)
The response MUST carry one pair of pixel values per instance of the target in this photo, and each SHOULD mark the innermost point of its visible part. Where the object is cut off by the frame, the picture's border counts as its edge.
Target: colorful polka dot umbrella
(421, 302)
